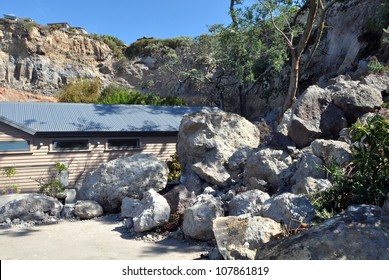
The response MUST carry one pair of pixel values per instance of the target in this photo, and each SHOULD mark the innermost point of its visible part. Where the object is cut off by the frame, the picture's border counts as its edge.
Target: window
(70, 145)
(14, 146)
(124, 144)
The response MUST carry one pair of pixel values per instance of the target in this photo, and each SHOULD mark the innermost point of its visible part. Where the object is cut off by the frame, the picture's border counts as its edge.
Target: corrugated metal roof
(76, 117)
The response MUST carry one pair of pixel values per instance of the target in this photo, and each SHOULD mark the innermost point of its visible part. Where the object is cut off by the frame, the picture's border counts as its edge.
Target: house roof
(77, 118)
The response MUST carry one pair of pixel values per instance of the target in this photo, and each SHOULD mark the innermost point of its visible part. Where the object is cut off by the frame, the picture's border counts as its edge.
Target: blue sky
(126, 19)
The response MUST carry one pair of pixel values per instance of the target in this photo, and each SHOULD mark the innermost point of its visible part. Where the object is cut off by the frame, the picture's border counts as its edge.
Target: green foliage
(116, 94)
(115, 44)
(376, 67)
(11, 189)
(366, 179)
(147, 46)
(60, 167)
(10, 172)
(381, 19)
(81, 91)
(51, 187)
(175, 168)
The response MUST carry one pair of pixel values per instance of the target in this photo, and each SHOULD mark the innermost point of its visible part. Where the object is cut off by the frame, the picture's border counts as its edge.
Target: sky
(127, 20)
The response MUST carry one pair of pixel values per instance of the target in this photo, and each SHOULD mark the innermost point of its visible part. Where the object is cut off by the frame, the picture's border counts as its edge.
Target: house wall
(39, 162)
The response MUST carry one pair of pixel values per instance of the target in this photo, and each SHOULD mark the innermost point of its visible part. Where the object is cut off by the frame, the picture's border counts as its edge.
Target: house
(60, 25)
(10, 17)
(36, 136)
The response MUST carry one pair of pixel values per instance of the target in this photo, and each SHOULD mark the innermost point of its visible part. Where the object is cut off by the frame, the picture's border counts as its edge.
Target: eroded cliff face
(38, 59)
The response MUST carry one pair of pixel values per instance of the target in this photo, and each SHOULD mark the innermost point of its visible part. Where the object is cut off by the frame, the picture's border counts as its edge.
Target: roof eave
(74, 134)
(18, 126)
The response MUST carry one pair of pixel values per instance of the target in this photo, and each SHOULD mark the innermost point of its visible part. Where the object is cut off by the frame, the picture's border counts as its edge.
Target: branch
(259, 78)
(288, 41)
(313, 8)
(232, 14)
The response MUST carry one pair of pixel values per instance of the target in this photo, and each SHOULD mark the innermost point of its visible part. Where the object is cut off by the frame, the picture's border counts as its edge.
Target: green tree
(81, 90)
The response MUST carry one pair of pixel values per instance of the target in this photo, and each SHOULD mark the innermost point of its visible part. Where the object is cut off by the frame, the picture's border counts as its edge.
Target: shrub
(51, 187)
(11, 189)
(175, 168)
(81, 91)
(365, 181)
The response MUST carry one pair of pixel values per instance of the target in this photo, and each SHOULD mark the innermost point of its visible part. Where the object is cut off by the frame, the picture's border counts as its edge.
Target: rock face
(290, 209)
(206, 140)
(247, 203)
(44, 59)
(198, 218)
(88, 209)
(361, 233)
(130, 176)
(30, 208)
(314, 116)
(268, 165)
(239, 238)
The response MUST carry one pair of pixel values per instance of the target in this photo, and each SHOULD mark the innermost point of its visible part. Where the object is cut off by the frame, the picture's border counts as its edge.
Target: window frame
(138, 147)
(27, 151)
(53, 150)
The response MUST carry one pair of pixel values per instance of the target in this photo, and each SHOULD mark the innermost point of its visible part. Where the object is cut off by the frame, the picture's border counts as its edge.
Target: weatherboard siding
(39, 162)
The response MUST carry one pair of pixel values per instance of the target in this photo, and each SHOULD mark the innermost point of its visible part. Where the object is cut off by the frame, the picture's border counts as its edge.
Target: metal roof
(39, 118)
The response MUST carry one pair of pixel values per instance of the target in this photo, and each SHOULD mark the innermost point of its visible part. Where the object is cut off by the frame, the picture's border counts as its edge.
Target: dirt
(14, 95)
(104, 238)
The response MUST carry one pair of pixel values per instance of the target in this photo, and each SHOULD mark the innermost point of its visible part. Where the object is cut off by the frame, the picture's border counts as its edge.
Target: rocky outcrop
(31, 207)
(88, 209)
(206, 141)
(131, 176)
(361, 233)
(240, 237)
(198, 218)
(37, 58)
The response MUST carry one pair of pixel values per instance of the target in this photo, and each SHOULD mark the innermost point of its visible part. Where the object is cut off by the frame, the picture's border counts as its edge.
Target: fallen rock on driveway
(31, 207)
(88, 209)
(130, 176)
(198, 218)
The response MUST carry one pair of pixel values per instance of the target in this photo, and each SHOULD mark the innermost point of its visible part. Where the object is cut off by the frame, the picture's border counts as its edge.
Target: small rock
(88, 209)
(247, 202)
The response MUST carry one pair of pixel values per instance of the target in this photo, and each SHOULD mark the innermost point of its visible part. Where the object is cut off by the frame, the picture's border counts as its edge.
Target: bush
(175, 168)
(365, 181)
(116, 94)
(51, 187)
(81, 91)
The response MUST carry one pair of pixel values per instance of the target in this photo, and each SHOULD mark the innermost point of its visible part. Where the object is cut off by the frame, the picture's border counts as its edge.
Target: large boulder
(238, 238)
(179, 199)
(314, 116)
(308, 165)
(289, 209)
(130, 176)
(88, 209)
(150, 212)
(31, 207)
(268, 165)
(311, 185)
(355, 98)
(332, 152)
(198, 218)
(360, 233)
(247, 202)
(207, 139)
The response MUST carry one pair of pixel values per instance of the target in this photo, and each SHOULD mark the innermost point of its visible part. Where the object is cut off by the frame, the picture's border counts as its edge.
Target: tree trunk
(242, 101)
(293, 82)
